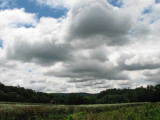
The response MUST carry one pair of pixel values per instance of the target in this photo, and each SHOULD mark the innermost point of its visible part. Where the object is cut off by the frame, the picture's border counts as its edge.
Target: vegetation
(105, 105)
(149, 111)
(20, 94)
(109, 96)
(134, 111)
(18, 111)
(140, 94)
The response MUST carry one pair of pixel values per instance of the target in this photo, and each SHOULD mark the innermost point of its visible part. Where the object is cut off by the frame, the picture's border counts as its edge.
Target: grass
(149, 111)
(25, 111)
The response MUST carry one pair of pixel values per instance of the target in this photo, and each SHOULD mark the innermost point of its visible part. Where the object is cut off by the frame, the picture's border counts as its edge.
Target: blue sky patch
(42, 11)
(5, 4)
(30, 71)
(147, 10)
(116, 3)
(33, 7)
(1, 43)
(153, 20)
(157, 1)
(26, 26)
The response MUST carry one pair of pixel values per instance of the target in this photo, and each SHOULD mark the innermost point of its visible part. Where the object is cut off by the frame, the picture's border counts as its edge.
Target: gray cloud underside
(88, 71)
(41, 53)
(95, 46)
(100, 20)
(153, 77)
(139, 63)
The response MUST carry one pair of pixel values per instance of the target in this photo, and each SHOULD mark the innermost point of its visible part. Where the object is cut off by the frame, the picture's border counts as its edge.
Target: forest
(108, 96)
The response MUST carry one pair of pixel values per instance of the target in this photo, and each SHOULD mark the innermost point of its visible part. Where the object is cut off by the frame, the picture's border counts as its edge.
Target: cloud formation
(99, 21)
(95, 46)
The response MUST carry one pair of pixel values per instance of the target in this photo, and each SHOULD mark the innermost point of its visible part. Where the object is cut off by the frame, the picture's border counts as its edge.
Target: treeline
(20, 94)
(140, 94)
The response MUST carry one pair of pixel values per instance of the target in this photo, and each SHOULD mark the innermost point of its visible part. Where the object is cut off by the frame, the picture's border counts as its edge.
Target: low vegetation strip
(149, 111)
(17, 111)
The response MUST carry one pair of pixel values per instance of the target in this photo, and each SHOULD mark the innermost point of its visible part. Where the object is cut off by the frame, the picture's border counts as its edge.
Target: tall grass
(53, 112)
(149, 111)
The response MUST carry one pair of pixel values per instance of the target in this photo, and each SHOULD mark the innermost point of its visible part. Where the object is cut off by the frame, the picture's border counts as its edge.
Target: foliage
(140, 94)
(109, 96)
(20, 94)
(148, 112)
(74, 111)
(16, 111)
(77, 116)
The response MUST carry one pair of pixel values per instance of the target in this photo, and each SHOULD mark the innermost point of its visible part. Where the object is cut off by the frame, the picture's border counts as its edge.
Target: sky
(64, 46)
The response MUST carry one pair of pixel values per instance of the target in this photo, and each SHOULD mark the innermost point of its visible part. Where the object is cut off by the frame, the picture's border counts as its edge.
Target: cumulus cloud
(16, 17)
(97, 45)
(43, 53)
(133, 62)
(39, 44)
(98, 21)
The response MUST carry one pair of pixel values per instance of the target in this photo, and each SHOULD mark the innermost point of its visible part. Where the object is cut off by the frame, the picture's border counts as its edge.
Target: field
(127, 111)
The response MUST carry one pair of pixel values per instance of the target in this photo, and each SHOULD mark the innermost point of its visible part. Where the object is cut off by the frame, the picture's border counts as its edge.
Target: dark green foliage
(20, 94)
(75, 99)
(140, 94)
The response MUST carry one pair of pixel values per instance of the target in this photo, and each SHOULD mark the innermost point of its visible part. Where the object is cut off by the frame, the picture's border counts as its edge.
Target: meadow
(24, 111)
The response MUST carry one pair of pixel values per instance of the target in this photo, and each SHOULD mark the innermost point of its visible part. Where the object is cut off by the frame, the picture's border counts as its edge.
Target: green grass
(25, 111)
(149, 111)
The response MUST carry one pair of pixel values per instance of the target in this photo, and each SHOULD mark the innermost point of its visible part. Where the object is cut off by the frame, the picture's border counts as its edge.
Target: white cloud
(98, 22)
(57, 3)
(16, 17)
(96, 46)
